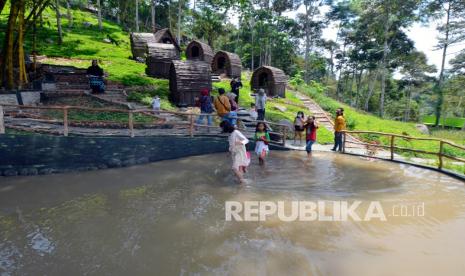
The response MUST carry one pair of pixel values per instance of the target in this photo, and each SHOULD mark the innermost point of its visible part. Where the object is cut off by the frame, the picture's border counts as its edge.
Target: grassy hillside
(359, 120)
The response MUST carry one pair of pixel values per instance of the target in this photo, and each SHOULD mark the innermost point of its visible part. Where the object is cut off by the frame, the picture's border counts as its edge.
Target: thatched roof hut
(139, 43)
(165, 36)
(159, 57)
(187, 79)
(272, 79)
(227, 63)
(197, 50)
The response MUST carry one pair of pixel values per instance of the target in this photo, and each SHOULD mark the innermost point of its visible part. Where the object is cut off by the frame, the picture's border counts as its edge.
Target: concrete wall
(46, 154)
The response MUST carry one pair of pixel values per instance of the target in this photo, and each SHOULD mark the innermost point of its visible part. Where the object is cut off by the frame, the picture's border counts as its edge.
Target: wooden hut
(197, 50)
(187, 79)
(166, 37)
(272, 79)
(159, 57)
(139, 43)
(227, 63)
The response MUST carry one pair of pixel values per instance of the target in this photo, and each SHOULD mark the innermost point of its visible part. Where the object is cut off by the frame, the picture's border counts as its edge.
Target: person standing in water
(339, 127)
(262, 139)
(240, 157)
(311, 127)
(299, 122)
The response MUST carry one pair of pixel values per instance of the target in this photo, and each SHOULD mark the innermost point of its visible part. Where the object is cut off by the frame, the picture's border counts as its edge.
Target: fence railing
(189, 124)
(441, 154)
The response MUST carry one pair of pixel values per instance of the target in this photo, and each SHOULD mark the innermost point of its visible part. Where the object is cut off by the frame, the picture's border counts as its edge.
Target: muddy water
(168, 219)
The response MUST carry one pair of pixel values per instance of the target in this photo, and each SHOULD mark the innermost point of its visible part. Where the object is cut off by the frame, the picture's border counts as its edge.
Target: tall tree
(69, 13)
(389, 17)
(136, 19)
(99, 14)
(58, 16)
(153, 13)
(452, 13)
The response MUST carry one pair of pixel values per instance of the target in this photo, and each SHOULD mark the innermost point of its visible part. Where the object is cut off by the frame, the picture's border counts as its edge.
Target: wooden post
(2, 122)
(284, 135)
(441, 150)
(191, 125)
(344, 137)
(131, 124)
(65, 121)
(392, 146)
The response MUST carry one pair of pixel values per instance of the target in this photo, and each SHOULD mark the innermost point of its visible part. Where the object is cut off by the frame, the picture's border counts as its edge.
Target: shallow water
(168, 218)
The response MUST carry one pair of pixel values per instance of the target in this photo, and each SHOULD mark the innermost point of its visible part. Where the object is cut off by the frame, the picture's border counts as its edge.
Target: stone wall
(47, 154)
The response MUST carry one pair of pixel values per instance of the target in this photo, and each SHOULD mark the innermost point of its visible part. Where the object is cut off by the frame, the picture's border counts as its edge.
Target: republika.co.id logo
(253, 211)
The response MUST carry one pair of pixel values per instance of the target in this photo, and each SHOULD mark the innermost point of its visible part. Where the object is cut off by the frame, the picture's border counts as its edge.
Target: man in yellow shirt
(222, 105)
(339, 126)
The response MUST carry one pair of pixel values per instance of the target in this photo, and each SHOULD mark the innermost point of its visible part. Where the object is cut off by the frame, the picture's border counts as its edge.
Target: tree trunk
(2, 5)
(154, 25)
(358, 84)
(137, 16)
(21, 59)
(58, 14)
(441, 74)
(7, 66)
(70, 14)
(169, 16)
(307, 45)
(371, 88)
(384, 66)
(252, 45)
(179, 20)
(99, 15)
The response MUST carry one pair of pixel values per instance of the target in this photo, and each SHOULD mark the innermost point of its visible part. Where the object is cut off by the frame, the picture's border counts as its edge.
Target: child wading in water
(311, 127)
(299, 122)
(240, 157)
(262, 138)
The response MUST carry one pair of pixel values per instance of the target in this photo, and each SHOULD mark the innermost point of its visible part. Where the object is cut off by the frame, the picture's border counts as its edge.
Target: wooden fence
(280, 131)
(391, 148)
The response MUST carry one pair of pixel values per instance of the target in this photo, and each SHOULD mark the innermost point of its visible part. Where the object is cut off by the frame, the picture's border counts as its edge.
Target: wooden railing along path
(392, 148)
(280, 131)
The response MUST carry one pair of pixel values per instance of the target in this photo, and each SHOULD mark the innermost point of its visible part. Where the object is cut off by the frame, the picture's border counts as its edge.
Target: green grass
(448, 122)
(359, 120)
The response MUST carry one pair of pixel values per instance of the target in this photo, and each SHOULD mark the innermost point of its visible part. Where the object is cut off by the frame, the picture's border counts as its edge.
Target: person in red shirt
(311, 127)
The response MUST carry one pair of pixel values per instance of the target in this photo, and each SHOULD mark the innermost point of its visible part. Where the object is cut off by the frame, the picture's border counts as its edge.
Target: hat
(261, 91)
(204, 92)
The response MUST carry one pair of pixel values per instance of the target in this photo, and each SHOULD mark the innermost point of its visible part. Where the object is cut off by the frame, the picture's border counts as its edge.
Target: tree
(99, 15)
(58, 16)
(388, 17)
(136, 19)
(452, 12)
(209, 24)
(69, 13)
(153, 13)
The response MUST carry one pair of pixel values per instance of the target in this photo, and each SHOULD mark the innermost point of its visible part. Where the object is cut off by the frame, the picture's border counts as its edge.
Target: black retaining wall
(47, 154)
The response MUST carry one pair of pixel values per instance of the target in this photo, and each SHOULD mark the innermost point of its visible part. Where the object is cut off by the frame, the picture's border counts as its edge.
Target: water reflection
(168, 218)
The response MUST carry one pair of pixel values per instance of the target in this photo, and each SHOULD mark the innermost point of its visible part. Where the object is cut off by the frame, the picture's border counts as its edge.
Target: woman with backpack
(206, 108)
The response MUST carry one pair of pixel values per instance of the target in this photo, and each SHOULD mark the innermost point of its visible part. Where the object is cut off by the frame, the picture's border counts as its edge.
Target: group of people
(227, 105)
(309, 126)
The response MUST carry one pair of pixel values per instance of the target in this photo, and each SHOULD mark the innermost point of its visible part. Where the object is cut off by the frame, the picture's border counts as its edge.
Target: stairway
(216, 78)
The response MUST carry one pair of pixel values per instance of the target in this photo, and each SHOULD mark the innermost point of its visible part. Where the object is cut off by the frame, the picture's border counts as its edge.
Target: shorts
(299, 128)
(310, 143)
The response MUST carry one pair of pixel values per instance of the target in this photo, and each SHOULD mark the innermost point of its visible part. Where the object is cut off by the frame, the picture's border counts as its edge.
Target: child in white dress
(239, 154)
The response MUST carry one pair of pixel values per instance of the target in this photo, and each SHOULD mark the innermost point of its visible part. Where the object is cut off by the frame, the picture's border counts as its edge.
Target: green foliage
(448, 122)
